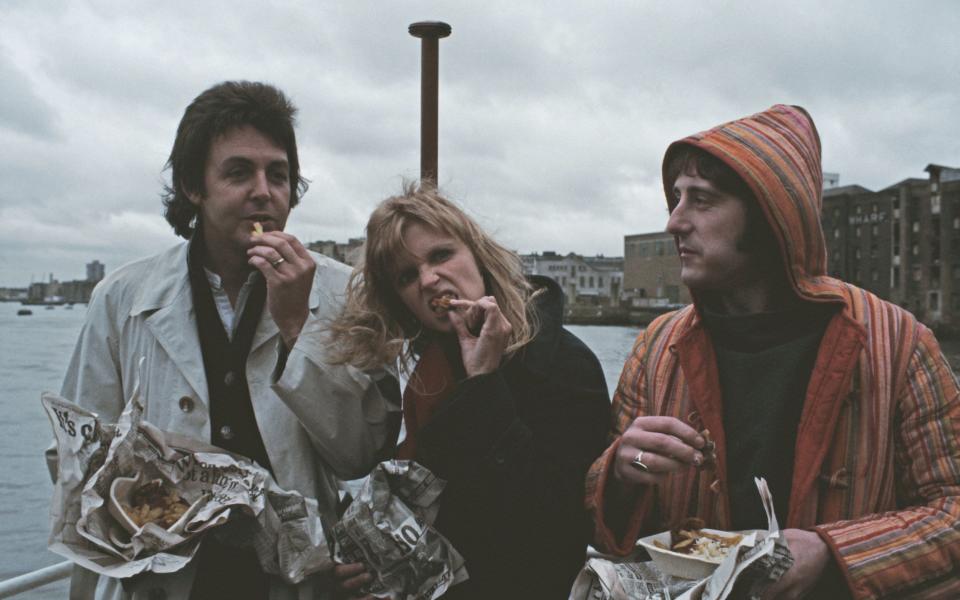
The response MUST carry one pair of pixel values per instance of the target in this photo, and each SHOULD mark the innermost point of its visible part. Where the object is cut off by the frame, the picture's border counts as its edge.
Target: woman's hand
(482, 331)
(349, 578)
(652, 447)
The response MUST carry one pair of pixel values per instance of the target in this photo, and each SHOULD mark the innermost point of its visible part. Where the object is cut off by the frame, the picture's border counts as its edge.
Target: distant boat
(49, 307)
(23, 312)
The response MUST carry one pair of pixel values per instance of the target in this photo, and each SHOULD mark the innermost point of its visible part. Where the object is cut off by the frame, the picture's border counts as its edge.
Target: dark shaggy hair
(690, 160)
(218, 109)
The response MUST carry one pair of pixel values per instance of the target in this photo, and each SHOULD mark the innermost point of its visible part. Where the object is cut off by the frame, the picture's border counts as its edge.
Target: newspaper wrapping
(756, 563)
(97, 460)
(388, 528)
(603, 579)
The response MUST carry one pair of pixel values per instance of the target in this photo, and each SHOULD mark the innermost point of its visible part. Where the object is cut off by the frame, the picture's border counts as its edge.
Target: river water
(34, 351)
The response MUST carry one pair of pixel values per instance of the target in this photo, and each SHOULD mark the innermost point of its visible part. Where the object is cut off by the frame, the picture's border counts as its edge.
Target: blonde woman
(501, 401)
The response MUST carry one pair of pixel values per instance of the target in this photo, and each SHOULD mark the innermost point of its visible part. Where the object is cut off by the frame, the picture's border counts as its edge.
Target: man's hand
(482, 331)
(667, 444)
(288, 269)
(810, 559)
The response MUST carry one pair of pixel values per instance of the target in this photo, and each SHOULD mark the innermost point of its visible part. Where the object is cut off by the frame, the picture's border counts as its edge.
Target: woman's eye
(279, 177)
(406, 278)
(441, 254)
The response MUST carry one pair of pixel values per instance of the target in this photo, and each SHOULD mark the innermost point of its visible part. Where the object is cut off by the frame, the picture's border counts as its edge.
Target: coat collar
(169, 280)
(537, 356)
(166, 304)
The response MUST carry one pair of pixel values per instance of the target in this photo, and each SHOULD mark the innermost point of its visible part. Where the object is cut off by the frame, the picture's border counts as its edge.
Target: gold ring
(638, 462)
(278, 262)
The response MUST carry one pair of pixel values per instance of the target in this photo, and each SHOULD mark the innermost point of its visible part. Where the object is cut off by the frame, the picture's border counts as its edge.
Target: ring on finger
(638, 462)
(278, 262)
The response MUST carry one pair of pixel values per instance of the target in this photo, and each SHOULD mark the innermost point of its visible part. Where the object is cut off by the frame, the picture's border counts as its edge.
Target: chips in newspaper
(388, 528)
(752, 563)
(130, 498)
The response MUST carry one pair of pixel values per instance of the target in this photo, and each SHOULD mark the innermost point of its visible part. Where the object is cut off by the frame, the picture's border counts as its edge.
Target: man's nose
(677, 223)
(261, 186)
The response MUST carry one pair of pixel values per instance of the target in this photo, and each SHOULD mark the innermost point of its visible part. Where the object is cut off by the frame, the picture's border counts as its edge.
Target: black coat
(514, 447)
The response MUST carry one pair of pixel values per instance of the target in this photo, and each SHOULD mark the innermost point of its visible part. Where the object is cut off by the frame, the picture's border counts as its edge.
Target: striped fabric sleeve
(628, 403)
(913, 552)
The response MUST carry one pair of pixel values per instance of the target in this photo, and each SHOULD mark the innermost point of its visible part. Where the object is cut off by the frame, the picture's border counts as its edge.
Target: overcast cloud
(553, 115)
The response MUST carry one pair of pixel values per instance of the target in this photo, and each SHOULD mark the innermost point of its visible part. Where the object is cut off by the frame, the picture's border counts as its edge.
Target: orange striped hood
(777, 153)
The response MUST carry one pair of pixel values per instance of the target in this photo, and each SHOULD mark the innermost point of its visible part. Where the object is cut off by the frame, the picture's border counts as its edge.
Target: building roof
(943, 173)
(653, 235)
(844, 190)
(907, 181)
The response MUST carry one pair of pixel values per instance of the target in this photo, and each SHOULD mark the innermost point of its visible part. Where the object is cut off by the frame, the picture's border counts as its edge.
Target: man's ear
(194, 197)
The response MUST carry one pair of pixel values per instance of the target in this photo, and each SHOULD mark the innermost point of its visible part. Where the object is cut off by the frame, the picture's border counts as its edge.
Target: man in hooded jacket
(842, 401)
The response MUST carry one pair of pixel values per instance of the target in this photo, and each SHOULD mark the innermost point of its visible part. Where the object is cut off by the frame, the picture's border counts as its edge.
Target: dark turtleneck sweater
(765, 361)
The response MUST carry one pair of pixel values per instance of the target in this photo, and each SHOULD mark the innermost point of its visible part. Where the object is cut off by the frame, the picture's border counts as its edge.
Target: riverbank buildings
(901, 243)
(591, 281)
(66, 292)
(651, 272)
(348, 253)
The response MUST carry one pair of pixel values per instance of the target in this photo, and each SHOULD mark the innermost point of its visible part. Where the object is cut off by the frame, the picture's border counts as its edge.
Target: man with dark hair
(842, 401)
(230, 326)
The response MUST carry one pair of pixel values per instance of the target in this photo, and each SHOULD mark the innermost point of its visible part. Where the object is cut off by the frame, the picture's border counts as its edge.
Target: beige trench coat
(318, 421)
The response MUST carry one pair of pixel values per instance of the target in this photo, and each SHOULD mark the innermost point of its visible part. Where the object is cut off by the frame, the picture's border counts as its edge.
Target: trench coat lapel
(267, 329)
(173, 321)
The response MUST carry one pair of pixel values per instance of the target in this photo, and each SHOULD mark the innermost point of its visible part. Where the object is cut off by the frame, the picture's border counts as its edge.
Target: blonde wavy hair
(374, 324)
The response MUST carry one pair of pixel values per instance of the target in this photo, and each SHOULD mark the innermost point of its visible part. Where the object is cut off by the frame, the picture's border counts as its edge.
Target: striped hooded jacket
(877, 467)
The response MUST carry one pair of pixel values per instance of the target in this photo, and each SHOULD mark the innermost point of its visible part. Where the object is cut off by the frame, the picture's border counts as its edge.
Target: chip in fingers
(442, 301)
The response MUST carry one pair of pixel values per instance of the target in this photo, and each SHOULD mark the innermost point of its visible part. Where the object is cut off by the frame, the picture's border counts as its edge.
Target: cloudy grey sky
(553, 115)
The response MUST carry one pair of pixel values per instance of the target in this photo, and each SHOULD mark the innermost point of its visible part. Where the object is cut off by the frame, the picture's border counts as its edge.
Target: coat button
(157, 594)
(186, 404)
(229, 378)
(226, 432)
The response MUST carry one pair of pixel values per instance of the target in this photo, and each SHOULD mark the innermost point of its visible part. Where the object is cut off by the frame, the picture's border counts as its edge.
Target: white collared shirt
(228, 314)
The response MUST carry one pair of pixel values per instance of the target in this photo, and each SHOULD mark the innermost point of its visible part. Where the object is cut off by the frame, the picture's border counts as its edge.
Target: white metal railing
(35, 579)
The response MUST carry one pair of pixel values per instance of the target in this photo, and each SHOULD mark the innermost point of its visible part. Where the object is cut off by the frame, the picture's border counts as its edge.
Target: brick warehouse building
(901, 242)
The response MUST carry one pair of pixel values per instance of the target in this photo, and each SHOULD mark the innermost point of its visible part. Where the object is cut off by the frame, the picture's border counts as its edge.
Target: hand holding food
(288, 269)
(350, 579)
(811, 558)
(653, 447)
(482, 331)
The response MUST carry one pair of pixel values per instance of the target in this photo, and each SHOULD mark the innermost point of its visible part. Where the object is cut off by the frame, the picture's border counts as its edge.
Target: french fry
(152, 503)
(442, 301)
(689, 538)
(709, 450)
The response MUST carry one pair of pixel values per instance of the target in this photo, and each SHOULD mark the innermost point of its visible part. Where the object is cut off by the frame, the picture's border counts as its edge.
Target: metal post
(429, 33)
